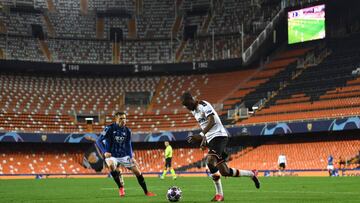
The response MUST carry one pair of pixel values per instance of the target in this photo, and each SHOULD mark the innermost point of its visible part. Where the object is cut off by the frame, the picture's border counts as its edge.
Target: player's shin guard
(142, 183)
(117, 178)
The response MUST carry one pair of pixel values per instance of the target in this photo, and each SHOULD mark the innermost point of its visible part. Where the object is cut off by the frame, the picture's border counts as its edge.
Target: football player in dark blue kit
(118, 152)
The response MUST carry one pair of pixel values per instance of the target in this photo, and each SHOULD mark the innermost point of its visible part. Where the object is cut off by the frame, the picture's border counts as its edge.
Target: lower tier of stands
(15, 159)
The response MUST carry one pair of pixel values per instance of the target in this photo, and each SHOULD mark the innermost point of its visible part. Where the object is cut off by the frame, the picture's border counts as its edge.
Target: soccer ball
(173, 194)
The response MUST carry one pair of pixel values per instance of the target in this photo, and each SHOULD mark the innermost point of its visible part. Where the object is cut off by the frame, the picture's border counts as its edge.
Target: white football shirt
(282, 159)
(202, 111)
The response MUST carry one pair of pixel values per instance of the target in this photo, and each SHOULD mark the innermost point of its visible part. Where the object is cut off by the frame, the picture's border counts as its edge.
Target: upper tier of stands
(72, 31)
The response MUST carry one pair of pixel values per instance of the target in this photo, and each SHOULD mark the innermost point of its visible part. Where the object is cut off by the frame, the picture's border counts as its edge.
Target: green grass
(305, 29)
(195, 189)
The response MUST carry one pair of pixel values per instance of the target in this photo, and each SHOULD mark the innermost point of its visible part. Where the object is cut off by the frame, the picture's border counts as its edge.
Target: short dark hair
(186, 96)
(119, 113)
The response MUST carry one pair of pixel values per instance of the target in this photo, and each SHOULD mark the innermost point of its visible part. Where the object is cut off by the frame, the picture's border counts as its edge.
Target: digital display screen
(306, 24)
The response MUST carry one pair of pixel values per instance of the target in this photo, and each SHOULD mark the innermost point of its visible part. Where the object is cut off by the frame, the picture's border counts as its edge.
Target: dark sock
(116, 176)
(142, 183)
(234, 172)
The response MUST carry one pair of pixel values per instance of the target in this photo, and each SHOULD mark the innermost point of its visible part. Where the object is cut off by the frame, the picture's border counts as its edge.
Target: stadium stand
(267, 79)
(64, 22)
(20, 23)
(181, 157)
(51, 108)
(76, 33)
(27, 49)
(80, 51)
(318, 91)
(47, 159)
(312, 155)
(162, 117)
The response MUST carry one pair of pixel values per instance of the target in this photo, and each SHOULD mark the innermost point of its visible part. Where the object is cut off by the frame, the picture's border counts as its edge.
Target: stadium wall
(266, 129)
(123, 69)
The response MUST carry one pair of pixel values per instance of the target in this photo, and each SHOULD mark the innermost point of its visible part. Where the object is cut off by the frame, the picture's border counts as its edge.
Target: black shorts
(168, 162)
(282, 165)
(217, 147)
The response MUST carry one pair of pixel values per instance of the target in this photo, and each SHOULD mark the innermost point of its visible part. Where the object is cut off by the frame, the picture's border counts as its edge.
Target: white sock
(246, 173)
(218, 187)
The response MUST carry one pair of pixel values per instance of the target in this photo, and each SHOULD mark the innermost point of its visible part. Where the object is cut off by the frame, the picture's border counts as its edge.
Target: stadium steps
(159, 87)
(50, 5)
(100, 27)
(84, 6)
(132, 34)
(49, 25)
(45, 49)
(180, 50)
(116, 52)
(206, 23)
(3, 28)
(177, 25)
(2, 54)
(138, 7)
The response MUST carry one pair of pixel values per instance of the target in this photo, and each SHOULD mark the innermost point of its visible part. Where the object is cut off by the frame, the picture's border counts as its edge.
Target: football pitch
(195, 189)
(301, 30)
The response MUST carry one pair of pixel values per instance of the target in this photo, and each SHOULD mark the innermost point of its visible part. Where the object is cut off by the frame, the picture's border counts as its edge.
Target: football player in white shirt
(282, 164)
(214, 136)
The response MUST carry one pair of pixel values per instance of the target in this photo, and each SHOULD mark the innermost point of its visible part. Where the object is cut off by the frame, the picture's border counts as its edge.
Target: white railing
(261, 38)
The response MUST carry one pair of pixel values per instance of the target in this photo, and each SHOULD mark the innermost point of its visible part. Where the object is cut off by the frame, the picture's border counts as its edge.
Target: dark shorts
(217, 148)
(282, 165)
(168, 162)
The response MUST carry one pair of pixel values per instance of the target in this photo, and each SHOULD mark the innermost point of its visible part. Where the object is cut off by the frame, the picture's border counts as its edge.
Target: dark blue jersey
(330, 160)
(116, 140)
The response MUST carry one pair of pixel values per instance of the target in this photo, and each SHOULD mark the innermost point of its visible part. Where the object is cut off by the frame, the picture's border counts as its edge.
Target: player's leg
(164, 173)
(233, 172)
(135, 169)
(330, 170)
(173, 174)
(283, 169)
(115, 172)
(215, 175)
(166, 168)
(218, 153)
(172, 171)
